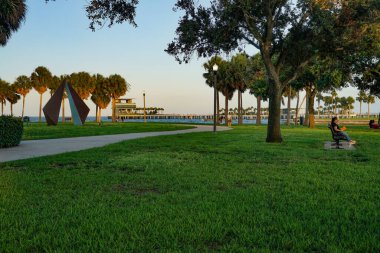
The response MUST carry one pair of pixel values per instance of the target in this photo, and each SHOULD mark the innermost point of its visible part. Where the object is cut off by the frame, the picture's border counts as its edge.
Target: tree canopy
(12, 14)
(287, 33)
(101, 12)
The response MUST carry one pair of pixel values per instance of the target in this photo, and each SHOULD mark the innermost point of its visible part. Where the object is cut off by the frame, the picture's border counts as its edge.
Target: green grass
(34, 131)
(197, 192)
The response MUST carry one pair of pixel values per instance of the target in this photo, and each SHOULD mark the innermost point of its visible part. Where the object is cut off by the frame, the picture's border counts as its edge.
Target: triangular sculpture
(79, 110)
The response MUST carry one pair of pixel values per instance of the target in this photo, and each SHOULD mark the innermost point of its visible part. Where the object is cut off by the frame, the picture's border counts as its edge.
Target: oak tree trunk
(274, 128)
(306, 120)
(311, 110)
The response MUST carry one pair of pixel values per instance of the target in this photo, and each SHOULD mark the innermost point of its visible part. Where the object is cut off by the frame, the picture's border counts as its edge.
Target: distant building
(125, 106)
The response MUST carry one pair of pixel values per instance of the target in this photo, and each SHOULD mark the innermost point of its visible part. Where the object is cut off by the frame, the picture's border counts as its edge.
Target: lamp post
(214, 69)
(144, 107)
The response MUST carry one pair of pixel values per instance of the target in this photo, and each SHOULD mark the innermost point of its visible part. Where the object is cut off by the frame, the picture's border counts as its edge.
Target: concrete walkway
(37, 148)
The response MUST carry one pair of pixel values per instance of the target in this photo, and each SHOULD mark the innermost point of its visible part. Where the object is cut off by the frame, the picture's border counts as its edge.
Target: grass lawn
(229, 191)
(34, 131)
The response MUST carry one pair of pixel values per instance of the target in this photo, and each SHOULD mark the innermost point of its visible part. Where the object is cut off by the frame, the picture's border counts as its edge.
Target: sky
(56, 35)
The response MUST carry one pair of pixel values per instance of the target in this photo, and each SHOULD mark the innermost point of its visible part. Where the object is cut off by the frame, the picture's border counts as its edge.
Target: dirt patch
(145, 191)
(214, 246)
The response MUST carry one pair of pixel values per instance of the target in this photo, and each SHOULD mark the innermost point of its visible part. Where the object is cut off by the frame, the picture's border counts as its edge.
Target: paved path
(36, 148)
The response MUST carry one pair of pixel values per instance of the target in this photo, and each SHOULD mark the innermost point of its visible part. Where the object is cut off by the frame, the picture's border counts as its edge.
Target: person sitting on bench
(373, 125)
(336, 129)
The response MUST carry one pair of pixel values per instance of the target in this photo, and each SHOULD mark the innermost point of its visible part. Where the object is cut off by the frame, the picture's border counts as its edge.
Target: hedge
(11, 130)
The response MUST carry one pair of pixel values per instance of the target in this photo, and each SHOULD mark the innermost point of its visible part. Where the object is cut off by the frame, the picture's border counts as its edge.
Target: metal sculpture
(79, 110)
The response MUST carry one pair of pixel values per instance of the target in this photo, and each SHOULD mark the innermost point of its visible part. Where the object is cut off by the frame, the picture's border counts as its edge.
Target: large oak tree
(287, 33)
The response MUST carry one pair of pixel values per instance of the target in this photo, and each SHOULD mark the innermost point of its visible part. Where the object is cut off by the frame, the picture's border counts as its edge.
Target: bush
(11, 130)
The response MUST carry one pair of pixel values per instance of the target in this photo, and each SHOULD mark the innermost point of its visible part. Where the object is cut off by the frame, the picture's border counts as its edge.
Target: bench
(26, 120)
(337, 136)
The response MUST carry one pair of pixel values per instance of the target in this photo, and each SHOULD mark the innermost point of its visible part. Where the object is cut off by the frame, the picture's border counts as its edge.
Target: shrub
(11, 130)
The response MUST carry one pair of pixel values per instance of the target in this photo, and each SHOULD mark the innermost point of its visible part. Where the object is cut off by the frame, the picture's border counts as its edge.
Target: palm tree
(54, 84)
(83, 84)
(22, 86)
(117, 88)
(335, 100)
(12, 13)
(4, 89)
(224, 85)
(319, 97)
(239, 71)
(350, 101)
(210, 78)
(100, 95)
(361, 98)
(102, 101)
(328, 101)
(41, 77)
(369, 100)
(257, 83)
(12, 97)
(290, 94)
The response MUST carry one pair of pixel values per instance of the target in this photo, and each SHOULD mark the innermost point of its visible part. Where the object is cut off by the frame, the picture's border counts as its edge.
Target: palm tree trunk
(297, 104)
(63, 110)
(11, 109)
(218, 107)
(289, 100)
(23, 106)
(368, 111)
(2, 107)
(226, 111)
(100, 114)
(39, 115)
(113, 110)
(360, 112)
(319, 104)
(239, 107)
(258, 113)
(306, 120)
(96, 113)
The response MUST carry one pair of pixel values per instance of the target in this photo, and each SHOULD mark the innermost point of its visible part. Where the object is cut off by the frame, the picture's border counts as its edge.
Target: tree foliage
(101, 12)
(287, 33)
(41, 77)
(83, 84)
(12, 14)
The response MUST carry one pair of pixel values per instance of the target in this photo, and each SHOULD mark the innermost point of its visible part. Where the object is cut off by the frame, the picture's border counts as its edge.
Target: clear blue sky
(56, 35)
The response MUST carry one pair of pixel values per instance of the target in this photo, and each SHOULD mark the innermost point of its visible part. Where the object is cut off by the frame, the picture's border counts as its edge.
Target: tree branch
(299, 69)
(252, 28)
